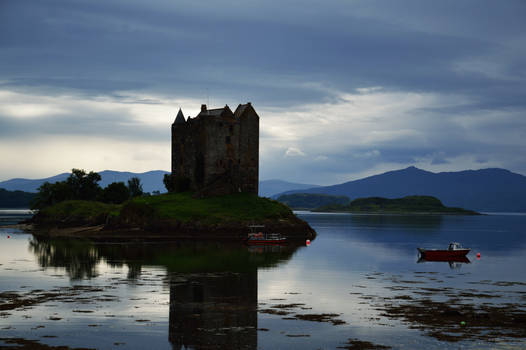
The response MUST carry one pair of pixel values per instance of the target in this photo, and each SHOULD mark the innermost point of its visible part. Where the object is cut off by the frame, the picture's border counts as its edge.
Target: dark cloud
(439, 160)
(231, 49)
(89, 123)
(285, 57)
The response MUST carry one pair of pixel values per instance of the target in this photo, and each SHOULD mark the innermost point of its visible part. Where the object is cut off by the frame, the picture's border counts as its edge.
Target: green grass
(78, 211)
(241, 207)
(181, 207)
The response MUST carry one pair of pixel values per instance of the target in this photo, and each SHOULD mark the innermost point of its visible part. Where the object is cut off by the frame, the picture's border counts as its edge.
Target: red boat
(454, 251)
(265, 239)
(261, 238)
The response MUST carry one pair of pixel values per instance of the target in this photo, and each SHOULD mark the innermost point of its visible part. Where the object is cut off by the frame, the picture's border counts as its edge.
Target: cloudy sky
(344, 88)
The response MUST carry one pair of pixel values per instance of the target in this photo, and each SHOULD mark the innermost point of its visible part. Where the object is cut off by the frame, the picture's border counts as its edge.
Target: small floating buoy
(478, 255)
(307, 242)
(8, 236)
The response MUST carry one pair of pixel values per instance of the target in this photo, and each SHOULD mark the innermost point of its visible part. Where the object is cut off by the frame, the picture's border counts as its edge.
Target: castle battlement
(218, 150)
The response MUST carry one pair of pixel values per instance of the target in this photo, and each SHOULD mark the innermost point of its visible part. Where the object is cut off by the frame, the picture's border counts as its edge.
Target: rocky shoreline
(294, 229)
(174, 216)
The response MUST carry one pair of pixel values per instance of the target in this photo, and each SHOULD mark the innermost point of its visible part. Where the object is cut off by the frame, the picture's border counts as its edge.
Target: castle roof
(180, 117)
(216, 112)
(242, 108)
(213, 112)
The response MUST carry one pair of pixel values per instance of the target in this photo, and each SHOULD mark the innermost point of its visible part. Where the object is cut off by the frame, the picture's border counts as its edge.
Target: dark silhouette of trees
(176, 183)
(84, 186)
(115, 193)
(169, 183)
(135, 187)
(49, 194)
(79, 185)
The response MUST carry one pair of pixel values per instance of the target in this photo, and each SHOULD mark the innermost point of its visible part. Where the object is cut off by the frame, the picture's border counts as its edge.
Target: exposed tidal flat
(359, 285)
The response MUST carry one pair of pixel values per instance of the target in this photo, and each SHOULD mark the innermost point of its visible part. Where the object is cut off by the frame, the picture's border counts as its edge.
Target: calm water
(348, 284)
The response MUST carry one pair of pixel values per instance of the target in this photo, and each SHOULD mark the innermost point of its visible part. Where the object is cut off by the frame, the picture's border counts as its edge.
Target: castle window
(227, 140)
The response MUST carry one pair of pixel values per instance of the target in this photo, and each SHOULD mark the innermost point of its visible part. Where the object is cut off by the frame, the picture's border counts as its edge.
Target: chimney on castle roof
(203, 108)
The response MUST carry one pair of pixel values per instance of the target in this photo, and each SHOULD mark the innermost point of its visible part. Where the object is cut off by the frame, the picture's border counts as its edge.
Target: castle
(217, 152)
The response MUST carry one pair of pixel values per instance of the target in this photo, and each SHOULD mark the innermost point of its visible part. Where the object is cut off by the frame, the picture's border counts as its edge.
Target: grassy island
(405, 205)
(171, 215)
(239, 207)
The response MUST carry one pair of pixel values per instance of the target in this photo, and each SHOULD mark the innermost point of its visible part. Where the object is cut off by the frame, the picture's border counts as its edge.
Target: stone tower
(217, 152)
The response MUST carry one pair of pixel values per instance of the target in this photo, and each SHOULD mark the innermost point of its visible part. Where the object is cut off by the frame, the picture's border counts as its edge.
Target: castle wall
(184, 147)
(222, 152)
(249, 151)
(218, 152)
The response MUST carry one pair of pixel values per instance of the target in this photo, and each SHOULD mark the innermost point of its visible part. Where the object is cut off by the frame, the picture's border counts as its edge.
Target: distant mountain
(270, 188)
(150, 180)
(30, 185)
(482, 190)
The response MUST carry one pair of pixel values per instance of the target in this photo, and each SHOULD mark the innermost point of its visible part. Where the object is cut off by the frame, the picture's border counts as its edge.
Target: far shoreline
(98, 233)
(371, 213)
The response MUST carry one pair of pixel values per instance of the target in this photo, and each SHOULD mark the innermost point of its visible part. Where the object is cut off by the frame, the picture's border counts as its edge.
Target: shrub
(115, 193)
(176, 184)
(169, 183)
(135, 187)
(84, 185)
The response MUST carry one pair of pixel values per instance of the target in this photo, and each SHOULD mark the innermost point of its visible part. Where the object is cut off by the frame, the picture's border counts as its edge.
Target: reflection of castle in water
(213, 287)
(214, 311)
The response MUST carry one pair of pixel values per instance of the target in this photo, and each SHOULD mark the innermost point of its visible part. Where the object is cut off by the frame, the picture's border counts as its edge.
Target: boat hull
(443, 255)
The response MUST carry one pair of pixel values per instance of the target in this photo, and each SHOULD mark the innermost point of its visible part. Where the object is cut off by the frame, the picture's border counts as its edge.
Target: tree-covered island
(15, 199)
(79, 207)
(405, 205)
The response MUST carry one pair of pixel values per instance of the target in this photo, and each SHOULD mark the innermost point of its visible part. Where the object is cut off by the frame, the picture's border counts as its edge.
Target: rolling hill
(482, 190)
(270, 188)
(487, 190)
(151, 180)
